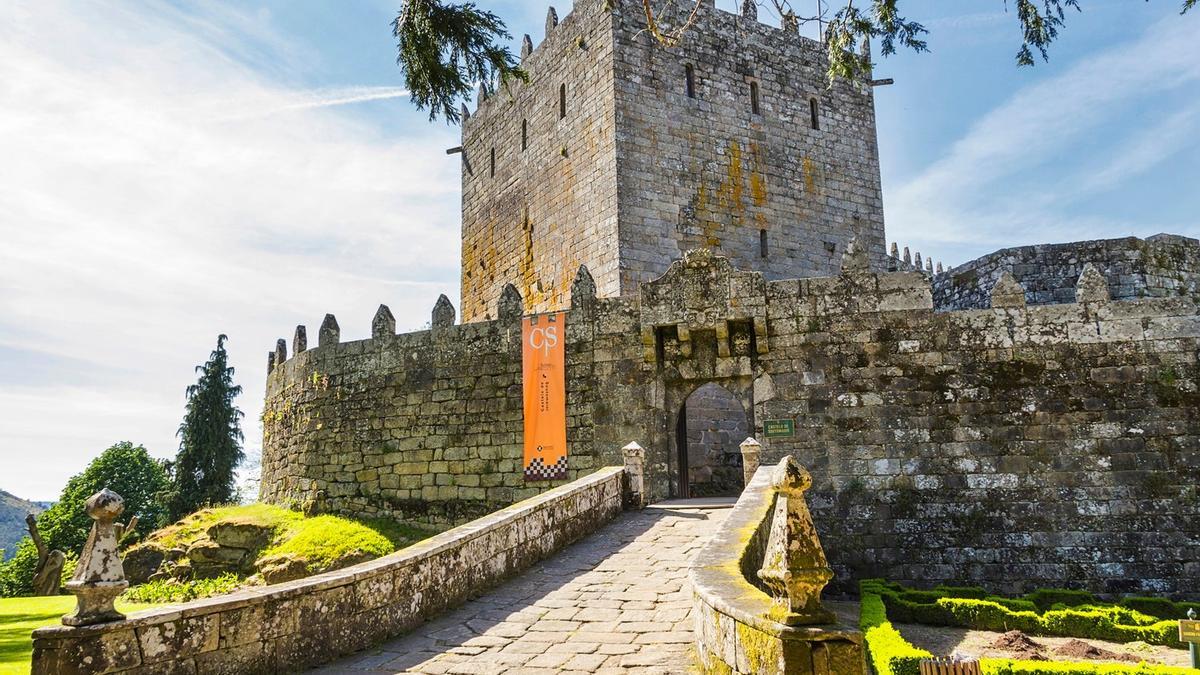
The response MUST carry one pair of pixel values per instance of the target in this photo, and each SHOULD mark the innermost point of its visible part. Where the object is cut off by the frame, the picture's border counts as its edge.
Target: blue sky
(171, 171)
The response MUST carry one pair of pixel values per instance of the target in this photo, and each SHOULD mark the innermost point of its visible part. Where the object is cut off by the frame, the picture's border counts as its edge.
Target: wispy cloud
(157, 189)
(326, 99)
(1000, 183)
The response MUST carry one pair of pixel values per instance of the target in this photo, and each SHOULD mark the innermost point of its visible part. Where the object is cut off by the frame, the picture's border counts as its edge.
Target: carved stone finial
(464, 111)
(854, 259)
(635, 471)
(270, 362)
(280, 351)
(300, 340)
(1008, 292)
(895, 252)
(917, 260)
(907, 256)
(330, 333)
(481, 95)
(939, 267)
(443, 313)
(99, 577)
(929, 265)
(511, 305)
(790, 22)
(384, 324)
(794, 565)
(551, 20)
(47, 576)
(526, 47)
(583, 289)
(750, 9)
(1092, 286)
(751, 450)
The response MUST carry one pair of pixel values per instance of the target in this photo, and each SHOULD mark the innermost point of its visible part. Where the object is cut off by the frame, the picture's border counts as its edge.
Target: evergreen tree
(210, 439)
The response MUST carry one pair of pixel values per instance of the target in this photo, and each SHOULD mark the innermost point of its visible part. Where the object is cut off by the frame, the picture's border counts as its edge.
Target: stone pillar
(751, 451)
(794, 565)
(635, 472)
(99, 577)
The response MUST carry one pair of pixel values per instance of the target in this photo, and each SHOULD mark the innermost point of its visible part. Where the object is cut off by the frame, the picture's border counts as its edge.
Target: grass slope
(319, 542)
(18, 618)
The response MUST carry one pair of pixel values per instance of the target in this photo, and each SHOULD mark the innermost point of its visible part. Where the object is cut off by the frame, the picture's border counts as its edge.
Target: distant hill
(12, 520)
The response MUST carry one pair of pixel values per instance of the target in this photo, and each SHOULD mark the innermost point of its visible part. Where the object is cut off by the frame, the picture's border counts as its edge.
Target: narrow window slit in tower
(524, 135)
(814, 113)
(492, 171)
(562, 101)
(690, 74)
(762, 243)
(754, 98)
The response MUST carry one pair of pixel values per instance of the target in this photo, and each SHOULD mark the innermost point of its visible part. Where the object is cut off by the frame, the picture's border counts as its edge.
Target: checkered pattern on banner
(537, 470)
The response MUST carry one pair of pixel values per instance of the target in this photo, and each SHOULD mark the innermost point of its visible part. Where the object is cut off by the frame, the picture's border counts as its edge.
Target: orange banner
(543, 360)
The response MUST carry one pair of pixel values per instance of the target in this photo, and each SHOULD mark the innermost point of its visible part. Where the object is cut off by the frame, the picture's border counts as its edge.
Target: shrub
(1045, 598)
(171, 590)
(1159, 607)
(988, 615)
(976, 592)
(889, 652)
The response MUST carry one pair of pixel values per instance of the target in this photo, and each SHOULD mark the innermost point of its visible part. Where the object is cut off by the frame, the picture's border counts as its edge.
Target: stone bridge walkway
(615, 602)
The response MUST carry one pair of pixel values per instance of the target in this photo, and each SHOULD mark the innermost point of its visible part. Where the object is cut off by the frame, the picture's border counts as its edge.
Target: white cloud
(989, 189)
(156, 190)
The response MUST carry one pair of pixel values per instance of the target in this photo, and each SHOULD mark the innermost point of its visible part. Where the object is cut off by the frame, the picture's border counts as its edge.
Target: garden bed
(1048, 631)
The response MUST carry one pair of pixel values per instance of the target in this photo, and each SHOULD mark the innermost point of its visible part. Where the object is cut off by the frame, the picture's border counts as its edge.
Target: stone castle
(710, 217)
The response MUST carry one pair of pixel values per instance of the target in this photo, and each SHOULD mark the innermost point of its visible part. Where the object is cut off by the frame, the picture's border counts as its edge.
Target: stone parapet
(737, 622)
(288, 627)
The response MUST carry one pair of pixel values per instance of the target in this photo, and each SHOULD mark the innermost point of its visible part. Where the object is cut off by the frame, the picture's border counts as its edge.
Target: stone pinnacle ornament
(99, 577)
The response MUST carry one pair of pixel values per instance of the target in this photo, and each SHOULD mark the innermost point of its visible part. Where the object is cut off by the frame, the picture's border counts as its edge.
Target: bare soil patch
(945, 640)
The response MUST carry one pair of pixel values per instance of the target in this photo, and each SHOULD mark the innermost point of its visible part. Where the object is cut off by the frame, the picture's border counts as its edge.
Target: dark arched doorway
(712, 423)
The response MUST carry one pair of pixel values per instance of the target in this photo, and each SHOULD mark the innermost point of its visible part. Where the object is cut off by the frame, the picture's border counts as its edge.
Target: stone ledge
(429, 577)
(733, 616)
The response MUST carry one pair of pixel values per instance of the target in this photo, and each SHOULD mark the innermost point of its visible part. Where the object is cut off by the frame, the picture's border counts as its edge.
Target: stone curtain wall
(422, 426)
(288, 627)
(551, 206)
(706, 171)
(1022, 446)
(1160, 266)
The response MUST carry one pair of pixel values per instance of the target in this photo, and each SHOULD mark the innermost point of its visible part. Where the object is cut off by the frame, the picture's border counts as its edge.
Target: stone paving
(616, 602)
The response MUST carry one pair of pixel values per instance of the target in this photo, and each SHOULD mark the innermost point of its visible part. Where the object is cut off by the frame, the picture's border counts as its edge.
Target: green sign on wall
(779, 428)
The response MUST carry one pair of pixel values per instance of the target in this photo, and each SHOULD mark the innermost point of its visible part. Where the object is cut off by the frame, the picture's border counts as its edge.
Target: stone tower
(621, 154)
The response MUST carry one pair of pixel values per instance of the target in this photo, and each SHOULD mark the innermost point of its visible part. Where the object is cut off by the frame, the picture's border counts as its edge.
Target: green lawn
(18, 618)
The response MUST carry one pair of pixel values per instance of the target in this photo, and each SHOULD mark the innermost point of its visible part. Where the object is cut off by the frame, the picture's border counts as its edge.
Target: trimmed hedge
(1096, 621)
(891, 654)
(1046, 598)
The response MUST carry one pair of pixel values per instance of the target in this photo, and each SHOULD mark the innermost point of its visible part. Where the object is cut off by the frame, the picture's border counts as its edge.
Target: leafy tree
(124, 468)
(210, 439)
(443, 48)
